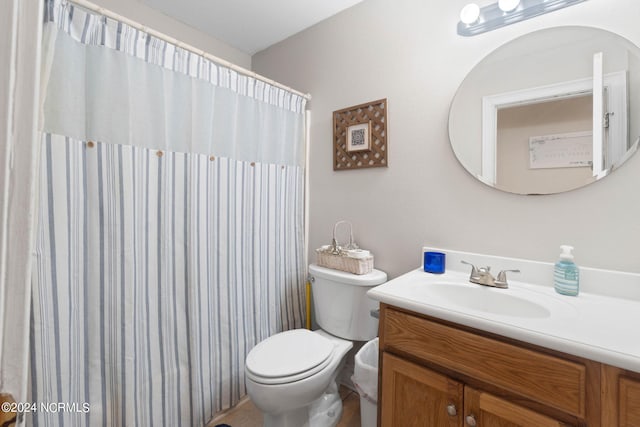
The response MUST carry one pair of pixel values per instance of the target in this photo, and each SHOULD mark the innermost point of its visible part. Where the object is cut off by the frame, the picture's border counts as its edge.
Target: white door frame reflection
(615, 134)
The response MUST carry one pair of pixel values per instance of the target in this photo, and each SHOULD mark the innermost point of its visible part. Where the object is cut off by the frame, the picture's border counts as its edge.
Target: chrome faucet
(480, 275)
(483, 276)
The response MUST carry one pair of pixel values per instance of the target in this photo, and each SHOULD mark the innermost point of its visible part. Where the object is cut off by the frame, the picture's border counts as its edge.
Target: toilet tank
(340, 302)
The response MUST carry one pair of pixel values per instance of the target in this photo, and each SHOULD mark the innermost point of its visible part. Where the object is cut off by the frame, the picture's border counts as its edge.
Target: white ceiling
(250, 25)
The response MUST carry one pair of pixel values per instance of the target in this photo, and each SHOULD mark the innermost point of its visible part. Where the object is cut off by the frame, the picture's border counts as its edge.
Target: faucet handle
(474, 269)
(501, 279)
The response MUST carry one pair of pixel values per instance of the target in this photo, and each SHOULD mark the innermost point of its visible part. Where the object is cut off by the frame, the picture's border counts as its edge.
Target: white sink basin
(486, 299)
(521, 302)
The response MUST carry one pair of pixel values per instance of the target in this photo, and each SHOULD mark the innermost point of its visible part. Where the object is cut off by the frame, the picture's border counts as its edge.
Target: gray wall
(139, 12)
(408, 51)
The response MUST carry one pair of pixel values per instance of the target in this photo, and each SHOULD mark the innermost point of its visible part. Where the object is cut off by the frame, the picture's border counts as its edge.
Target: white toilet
(291, 376)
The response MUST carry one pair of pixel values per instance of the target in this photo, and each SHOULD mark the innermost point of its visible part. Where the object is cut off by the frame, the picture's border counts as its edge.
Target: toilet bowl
(291, 376)
(283, 384)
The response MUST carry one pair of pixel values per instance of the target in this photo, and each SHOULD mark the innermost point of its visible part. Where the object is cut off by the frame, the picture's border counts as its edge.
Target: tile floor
(247, 415)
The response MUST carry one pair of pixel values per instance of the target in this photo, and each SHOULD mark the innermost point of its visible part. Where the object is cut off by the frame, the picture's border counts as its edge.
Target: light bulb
(470, 13)
(508, 5)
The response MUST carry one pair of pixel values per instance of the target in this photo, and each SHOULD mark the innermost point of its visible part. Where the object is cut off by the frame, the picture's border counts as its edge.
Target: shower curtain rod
(95, 8)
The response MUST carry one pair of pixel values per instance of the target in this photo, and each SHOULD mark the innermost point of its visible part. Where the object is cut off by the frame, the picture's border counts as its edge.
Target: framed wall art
(360, 136)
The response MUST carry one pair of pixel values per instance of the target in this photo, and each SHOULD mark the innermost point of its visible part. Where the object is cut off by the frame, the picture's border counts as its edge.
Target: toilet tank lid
(374, 278)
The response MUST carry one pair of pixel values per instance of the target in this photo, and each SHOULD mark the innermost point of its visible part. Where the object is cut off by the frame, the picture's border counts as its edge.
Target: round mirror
(548, 112)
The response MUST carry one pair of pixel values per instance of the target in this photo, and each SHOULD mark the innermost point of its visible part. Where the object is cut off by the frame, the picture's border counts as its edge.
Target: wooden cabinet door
(414, 396)
(482, 409)
(620, 397)
(629, 402)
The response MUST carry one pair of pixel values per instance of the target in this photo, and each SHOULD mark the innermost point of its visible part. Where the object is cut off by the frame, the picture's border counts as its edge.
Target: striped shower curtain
(157, 269)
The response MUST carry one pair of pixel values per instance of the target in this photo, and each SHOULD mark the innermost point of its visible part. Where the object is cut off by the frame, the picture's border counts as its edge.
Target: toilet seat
(289, 356)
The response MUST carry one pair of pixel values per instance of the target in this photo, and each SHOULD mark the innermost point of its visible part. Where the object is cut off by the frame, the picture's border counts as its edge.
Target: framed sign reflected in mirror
(532, 95)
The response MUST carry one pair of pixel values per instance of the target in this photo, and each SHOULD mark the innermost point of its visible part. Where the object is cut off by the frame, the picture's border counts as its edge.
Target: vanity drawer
(546, 379)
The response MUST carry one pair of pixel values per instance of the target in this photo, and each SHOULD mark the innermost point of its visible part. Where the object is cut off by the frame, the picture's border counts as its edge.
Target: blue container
(434, 262)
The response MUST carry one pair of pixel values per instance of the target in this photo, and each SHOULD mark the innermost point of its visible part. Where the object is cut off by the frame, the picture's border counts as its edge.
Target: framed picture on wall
(359, 137)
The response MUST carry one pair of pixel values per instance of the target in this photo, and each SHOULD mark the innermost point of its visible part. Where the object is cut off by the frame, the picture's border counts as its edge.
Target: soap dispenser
(566, 275)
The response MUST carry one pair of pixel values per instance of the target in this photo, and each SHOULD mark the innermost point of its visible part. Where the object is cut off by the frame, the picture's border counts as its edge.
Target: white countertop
(600, 324)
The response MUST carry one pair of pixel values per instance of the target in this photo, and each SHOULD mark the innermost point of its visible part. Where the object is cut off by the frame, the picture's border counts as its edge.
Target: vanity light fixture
(470, 14)
(508, 5)
(476, 20)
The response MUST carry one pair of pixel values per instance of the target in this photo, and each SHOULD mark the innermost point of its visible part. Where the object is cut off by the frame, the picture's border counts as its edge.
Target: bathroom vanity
(531, 358)
(436, 373)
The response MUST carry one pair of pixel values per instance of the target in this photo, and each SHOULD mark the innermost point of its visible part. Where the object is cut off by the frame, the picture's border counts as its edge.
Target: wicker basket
(344, 262)
(336, 257)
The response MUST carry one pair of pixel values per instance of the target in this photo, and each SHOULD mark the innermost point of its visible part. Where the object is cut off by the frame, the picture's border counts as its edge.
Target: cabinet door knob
(451, 410)
(471, 420)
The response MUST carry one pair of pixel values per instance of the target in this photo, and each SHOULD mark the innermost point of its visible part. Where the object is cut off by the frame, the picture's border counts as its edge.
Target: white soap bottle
(566, 275)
